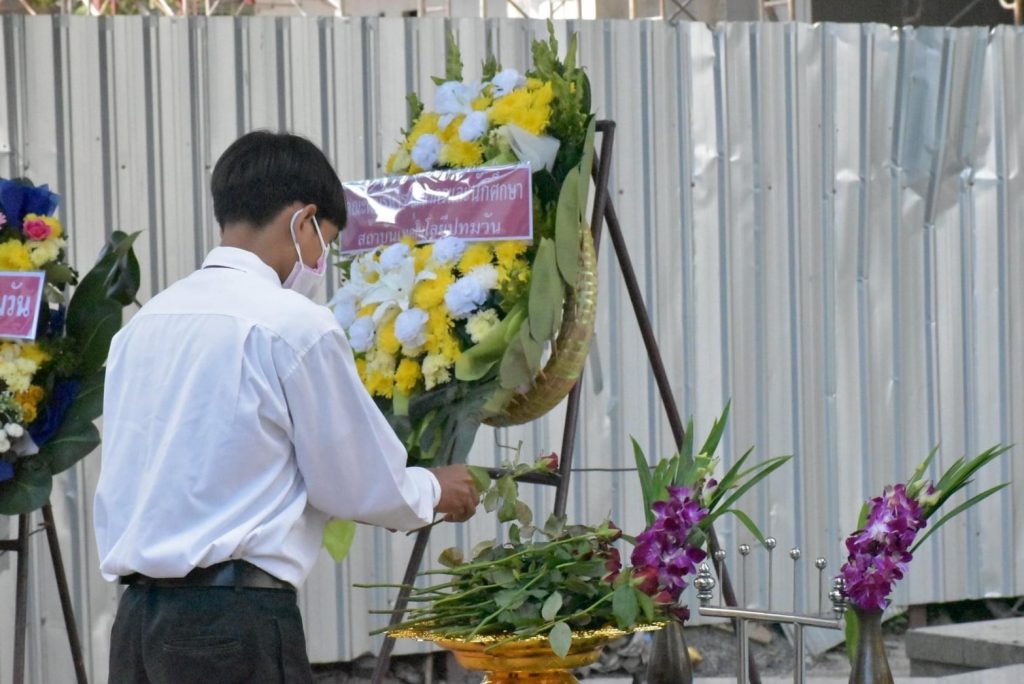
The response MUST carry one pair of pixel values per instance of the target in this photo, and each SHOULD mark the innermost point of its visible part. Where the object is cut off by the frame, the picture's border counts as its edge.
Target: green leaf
(567, 227)
(451, 557)
(489, 68)
(747, 522)
(920, 470)
(94, 344)
(73, 442)
(453, 60)
(491, 500)
(510, 599)
(560, 638)
(508, 511)
(956, 511)
(533, 351)
(515, 369)
(852, 634)
(770, 466)
(646, 605)
(523, 514)
(338, 538)
(715, 436)
(478, 360)
(643, 470)
(546, 292)
(481, 478)
(551, 606)
(28, 490)
(415, 106)
(625, 606)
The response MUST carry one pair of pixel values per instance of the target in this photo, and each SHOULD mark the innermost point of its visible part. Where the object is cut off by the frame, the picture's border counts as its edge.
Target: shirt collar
(241, 260)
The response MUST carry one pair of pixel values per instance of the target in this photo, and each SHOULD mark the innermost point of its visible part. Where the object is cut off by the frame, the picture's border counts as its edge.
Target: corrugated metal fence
(826, 221)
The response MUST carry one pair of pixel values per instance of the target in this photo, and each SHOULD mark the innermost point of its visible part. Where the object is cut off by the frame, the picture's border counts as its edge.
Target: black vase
(870, 664)
(670, 661)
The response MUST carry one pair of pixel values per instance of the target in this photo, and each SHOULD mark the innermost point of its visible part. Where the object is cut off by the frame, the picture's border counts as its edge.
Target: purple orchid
(880, 552)
(662, 558)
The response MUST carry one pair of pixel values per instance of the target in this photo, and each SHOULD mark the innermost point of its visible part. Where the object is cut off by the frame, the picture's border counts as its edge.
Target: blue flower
(6, 470)
(46, 425)
(19, 197)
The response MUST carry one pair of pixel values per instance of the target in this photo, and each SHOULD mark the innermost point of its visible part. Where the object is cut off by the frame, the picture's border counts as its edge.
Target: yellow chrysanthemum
(380, 373)
(407, 375)
(366, 310)
(29, 400)
(481, 103)
(506, 252)
(14, 256)
(428, 294)
(42, 253)
(461, 153)
(399, 161)
(534, 83)
(386, 340)
(440, 336)
(34, 353)
(408, 241)
(421, 255)
(476, 254)
(528, 109)
(427, 123)
(361, 369)
(451, 131)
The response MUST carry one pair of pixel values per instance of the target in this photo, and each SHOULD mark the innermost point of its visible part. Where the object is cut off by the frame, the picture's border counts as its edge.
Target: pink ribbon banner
(21, 295)
(486, 203)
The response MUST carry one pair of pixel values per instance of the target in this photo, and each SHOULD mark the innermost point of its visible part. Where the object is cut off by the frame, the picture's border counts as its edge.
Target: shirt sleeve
(351, 460)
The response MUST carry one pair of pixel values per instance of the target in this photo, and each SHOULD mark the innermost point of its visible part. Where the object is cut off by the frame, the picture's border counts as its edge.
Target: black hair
(261, 173)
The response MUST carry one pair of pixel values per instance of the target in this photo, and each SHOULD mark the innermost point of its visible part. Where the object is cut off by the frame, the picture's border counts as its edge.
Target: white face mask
(304, 279)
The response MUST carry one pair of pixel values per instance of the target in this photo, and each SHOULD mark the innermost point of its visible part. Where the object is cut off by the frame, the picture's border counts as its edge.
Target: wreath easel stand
(603, 214)
(19, 545)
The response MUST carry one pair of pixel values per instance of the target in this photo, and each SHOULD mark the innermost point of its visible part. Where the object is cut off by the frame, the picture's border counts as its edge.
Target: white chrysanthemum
(465, 296)
(506, 81)
(455, 97)
(486, 275)
(473, 126)
(5, 444)
(410, 327)
(426, 150)
(448, 250)
(14, 430)
(345, 307)
(481, 323)
(393, 255)
(361, 334)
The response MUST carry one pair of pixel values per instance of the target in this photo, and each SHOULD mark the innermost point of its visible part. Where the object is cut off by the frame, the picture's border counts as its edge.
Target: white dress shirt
(235, 426)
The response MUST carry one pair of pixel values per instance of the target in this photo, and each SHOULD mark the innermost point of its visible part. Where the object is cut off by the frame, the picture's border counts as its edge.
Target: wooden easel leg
(21, 600)
(65, 595)
(413, 567)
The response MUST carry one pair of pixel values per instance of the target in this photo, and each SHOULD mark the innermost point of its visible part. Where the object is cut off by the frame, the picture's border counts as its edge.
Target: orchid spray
(881, 549)
(681, 501)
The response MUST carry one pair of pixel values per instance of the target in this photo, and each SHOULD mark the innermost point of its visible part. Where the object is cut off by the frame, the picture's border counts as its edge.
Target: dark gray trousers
(208, 635)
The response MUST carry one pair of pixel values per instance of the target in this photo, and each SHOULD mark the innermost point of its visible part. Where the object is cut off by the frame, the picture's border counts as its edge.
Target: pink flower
(36, 229)
(550, 461)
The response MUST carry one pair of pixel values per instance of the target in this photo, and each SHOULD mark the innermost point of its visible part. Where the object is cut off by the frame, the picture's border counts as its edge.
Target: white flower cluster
(9, 432)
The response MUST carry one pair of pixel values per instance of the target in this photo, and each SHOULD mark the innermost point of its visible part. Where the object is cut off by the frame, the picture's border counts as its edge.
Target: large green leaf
(533, 350)
(27, 491)
(88, 403)
(515, 369)
(625, 606)
(852, 634)
(94, 345)
(478, 360)
(73, 442)
(338, 538)
(567, 227)
(978, 498)
(546, 292)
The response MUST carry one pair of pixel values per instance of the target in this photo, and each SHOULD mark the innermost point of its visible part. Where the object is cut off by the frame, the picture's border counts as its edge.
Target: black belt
(234, 573)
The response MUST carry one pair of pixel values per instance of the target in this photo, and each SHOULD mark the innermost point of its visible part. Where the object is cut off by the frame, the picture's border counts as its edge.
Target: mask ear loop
(320, 236)
(295, 241)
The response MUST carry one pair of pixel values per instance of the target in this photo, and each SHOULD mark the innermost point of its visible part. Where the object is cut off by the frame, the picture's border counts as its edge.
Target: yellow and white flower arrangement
(445, 333)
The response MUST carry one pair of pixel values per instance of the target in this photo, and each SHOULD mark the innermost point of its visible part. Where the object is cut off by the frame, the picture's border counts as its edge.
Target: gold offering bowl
(528, 660)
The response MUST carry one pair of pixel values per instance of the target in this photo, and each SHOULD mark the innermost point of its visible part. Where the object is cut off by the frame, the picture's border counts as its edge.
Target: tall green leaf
(27, 491)
(643, 470)
(956, 511)
(567, 227)
(560, 638)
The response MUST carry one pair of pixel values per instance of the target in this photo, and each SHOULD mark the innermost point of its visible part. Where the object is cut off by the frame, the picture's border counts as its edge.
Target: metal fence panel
(825, 221)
